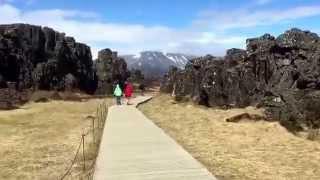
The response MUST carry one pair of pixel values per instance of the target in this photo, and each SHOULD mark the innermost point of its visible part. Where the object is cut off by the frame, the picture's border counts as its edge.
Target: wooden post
(97, 116)
(93, 134)
(84, 159)
(101, 115)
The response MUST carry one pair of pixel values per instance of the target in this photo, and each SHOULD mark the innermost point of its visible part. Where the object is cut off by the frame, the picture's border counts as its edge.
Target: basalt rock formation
(280, 74)
(110, 69)
(10, 98)
(41, 58)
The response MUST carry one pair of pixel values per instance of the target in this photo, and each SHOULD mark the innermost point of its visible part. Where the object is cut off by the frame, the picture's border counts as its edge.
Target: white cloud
(251, 18)
(210, 37)
(125, 38)
(9, 14)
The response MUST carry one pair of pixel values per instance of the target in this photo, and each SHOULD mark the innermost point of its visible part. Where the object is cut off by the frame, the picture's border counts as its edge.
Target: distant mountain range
(154, 63)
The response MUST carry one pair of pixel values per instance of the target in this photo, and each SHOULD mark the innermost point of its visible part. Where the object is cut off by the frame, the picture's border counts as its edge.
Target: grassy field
(247, 150)
(39, 140)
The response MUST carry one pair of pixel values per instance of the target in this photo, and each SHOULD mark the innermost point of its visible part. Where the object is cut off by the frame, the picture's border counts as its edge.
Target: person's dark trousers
(118, 100)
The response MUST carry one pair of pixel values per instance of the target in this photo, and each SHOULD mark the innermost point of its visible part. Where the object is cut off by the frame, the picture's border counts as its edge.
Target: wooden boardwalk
(133, 148)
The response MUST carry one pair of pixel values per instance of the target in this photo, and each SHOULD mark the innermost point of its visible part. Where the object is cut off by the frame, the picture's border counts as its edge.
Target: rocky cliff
(280, 74)
(41, 58)
(110, 69)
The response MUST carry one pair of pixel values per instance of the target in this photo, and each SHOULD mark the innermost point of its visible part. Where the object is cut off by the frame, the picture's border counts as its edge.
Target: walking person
(128, 90)
(118, 93)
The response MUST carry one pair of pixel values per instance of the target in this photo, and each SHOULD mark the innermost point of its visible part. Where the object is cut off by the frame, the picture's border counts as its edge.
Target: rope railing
(73, 161)
(96, 131)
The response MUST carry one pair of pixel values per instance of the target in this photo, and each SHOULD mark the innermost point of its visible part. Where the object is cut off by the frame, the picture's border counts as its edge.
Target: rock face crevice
(110, 69)
(41, 58)
(280, 74)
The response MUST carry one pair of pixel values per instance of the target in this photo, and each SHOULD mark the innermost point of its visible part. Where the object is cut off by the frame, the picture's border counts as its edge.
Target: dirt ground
(247, 150)
(39, 140)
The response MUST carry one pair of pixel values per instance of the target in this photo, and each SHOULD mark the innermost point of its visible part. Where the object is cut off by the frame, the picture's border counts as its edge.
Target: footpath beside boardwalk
(133, 148)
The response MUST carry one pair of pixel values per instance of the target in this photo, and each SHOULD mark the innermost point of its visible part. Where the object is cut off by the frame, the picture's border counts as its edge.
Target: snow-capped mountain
(154, 63)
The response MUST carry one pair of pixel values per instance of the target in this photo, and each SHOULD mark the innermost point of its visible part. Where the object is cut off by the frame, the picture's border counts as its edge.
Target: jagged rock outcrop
(281, 74)
(41, 58)
(10, 98)
(110, 69)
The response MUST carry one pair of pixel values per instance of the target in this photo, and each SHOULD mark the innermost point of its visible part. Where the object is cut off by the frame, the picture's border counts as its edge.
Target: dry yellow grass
(233, 151)
(38, 141)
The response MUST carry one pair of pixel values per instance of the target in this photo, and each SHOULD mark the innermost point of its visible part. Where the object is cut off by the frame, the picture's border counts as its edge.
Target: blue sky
(188, 26)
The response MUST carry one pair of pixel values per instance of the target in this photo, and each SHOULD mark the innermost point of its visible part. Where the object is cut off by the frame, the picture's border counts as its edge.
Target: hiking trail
(134, 148)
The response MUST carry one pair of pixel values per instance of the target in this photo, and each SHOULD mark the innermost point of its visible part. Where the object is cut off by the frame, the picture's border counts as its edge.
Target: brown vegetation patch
(39, 140)
(247, 150)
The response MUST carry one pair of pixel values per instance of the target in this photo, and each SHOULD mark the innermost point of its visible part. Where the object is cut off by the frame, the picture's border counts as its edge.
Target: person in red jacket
(128, 90)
